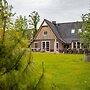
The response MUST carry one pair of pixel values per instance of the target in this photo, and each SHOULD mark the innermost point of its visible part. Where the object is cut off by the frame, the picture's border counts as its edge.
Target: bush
(75, 51)
(70, 51)
(65, 50)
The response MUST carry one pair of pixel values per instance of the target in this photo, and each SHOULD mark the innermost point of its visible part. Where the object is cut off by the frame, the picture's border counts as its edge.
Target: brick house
(55, 37)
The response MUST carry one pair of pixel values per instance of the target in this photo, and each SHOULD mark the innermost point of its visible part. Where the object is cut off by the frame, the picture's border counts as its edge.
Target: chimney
(54, 22)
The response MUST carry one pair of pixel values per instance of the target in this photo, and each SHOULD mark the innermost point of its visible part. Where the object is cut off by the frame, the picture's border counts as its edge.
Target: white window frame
(45, 45)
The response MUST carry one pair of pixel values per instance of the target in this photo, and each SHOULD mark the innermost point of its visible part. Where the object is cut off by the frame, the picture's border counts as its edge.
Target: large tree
(33, 21)
(5, 14)
(15, 56)
(85, 34)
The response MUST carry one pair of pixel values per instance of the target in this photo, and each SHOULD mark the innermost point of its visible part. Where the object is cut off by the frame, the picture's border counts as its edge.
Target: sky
(53, 10)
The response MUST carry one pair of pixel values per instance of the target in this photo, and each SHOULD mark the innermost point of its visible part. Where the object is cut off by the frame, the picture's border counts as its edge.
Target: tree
(21, 25)
(34, 19)
(5, 14)
(85, 34)
(13, 51)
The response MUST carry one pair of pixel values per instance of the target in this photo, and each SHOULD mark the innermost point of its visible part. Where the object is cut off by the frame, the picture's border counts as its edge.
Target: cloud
(60, 10)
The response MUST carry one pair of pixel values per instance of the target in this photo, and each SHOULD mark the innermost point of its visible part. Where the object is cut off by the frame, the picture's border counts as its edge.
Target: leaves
(34, 19)
(85, 35)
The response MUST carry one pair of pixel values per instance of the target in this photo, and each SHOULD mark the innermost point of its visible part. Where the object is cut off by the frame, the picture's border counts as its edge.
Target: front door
(45, 46)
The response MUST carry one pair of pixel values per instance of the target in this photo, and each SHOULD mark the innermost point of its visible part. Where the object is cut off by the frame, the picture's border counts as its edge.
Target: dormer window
(79, 30)
(45, 33)
(73, 31)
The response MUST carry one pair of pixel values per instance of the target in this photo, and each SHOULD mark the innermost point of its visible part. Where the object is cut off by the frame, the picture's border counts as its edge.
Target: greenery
(16, 65)
(66, 71)
(33, 21)
(85, 34)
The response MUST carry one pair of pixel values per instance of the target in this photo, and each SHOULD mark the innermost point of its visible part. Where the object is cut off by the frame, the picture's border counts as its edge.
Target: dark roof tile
(63, 30)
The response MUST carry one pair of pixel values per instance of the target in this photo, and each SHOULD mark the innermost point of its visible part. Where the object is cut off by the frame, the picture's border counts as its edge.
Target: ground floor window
(78, 45)
(36, 45)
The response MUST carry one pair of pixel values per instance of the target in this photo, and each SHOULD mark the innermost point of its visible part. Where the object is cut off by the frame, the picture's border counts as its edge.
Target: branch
(13, 67)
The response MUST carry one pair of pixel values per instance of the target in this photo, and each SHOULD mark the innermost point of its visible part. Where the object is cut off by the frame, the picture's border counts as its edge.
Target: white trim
(45, 45)
(55, 45)
(72, 45)
(76, 45)
(80, 46)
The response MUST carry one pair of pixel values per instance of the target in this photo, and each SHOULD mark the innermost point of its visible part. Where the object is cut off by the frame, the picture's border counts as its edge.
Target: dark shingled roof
(63, 30)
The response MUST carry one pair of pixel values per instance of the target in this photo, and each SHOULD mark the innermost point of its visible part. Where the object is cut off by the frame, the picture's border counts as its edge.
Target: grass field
(65, 71)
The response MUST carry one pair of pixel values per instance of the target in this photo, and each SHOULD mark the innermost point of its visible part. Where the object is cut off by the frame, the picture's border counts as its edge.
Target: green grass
(66, 71)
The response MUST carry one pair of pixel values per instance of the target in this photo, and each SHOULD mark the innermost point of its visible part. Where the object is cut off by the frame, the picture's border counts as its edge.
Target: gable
(45, 28)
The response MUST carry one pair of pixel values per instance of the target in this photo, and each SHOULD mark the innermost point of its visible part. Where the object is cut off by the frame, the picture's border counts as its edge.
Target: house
(55, 37)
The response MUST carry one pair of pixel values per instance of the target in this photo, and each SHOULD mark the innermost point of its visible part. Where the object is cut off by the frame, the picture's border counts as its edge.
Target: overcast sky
(53, 10)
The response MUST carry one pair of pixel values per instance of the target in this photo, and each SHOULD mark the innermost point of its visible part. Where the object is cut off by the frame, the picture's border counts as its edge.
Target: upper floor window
(73, 31)
(79, 30)
(45, 33)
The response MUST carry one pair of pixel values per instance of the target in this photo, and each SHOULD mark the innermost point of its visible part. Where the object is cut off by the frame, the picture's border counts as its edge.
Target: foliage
(33, 21)
(11, 54)
(85, 35)
(5, 14)
(17, 70)
(13, 51)
(21, 24)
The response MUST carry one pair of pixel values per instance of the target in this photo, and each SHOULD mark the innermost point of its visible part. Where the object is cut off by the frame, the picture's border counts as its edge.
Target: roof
(63, 30)
(54, 29)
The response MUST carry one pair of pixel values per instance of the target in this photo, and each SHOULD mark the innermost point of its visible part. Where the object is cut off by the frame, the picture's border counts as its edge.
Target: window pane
(45, 32)
(43, 45)
(36, 45)
(47, 46)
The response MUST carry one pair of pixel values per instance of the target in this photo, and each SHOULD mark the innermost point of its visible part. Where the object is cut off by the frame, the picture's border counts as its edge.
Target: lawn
(63, 71)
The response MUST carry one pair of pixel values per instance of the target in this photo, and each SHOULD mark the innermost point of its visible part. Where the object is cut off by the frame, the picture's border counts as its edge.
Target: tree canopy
(33, 21)
(85, 34)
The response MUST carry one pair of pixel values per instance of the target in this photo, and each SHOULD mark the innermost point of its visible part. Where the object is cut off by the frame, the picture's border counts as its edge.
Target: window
(73, 31)
(36, 45)
(79, 30)
(45, 33)
(78, 45)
